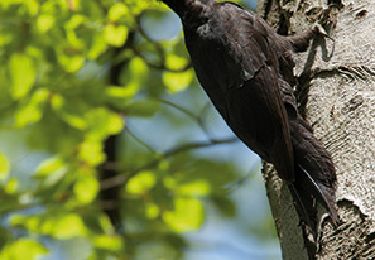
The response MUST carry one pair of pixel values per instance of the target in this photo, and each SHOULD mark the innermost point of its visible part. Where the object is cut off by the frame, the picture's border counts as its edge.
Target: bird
(246, 69)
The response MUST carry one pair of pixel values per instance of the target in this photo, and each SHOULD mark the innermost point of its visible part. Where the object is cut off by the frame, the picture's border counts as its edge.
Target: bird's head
(180, 7)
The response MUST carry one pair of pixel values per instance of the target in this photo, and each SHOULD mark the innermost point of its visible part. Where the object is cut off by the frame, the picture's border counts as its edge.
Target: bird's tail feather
(315, 174)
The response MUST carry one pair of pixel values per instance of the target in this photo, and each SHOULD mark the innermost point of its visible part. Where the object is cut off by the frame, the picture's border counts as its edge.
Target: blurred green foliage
(55, 91)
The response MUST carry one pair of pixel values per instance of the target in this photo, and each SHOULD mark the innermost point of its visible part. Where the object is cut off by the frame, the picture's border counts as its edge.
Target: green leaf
(108, 242)
(74, 23)
(31, 6)
(105, 224)
(50, 166)
(4, 167)
(176, 62)
(145, 108)
(57, 101)
(91, 151)
(137, 73)
(23, 249)
(86, 187)
(31, 111)
(11, 186)
(44, 23)
(70, 62)
(102, 122)
(121, 92)
(98, 46)
(134, 77)
(152, 210)
(177, 81)
(225, 205)
(22, 72)
(188, 215)
(75, 121)
(51, 170)
(30, 222)
(118, 11)
(141, 183)
(137, 67)
(65, 226)
(115, 35)
(194, 188)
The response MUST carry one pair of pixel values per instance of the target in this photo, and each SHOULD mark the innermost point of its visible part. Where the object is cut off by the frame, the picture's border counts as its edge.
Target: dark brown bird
(247, 71)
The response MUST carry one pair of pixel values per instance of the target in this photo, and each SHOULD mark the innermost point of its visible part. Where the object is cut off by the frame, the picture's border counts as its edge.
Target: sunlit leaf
(177, 81)
(11, 186)
(74, 22)
(57, 101)
(163, 165)
(176, 62)
(98, 46)
(22, 74)
(105, 224)
(195, 188)
(188, 215)
(137, 67)
(152, 210)
(65, 226)
(134, 77)
(91, 151)
(5, 38)
(53, 169)
(50, 166)
(30, 222)
(141, 183)
(4, 167)
(137, 73)
(31, 111)
(86, 188)
(23, 249)
(31, 6)
(170, 182)
(117, 11)
(115, 35)
(74, 120)
(121, 92)
(103, 122)
(45, 22)
(108, 242)
(71, 63)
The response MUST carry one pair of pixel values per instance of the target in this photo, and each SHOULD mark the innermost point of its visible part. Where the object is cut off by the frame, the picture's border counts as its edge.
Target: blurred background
(109, 148)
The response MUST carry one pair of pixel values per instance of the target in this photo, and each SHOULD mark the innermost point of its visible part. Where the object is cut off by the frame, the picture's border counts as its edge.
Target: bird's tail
(315, 174)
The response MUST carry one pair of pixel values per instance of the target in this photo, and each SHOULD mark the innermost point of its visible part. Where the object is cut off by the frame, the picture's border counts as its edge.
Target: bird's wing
(263, 122)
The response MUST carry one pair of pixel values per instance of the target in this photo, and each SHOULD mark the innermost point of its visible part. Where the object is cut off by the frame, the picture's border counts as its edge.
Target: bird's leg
(323, 28)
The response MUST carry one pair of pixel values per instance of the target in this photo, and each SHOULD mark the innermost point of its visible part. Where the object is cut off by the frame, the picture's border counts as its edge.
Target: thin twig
(139, 140)
(121, 179)
(188, 113)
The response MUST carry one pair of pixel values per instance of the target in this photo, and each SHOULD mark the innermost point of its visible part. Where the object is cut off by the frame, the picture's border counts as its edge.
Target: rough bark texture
(337, 96)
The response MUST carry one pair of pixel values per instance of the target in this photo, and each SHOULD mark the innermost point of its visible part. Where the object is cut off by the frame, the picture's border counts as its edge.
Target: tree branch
(121, 179)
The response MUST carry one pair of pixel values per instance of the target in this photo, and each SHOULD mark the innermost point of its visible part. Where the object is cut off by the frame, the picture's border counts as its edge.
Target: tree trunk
(337, 96)
(110, 198)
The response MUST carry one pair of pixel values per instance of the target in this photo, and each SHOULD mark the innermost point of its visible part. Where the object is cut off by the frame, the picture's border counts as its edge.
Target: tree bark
(337, 96)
